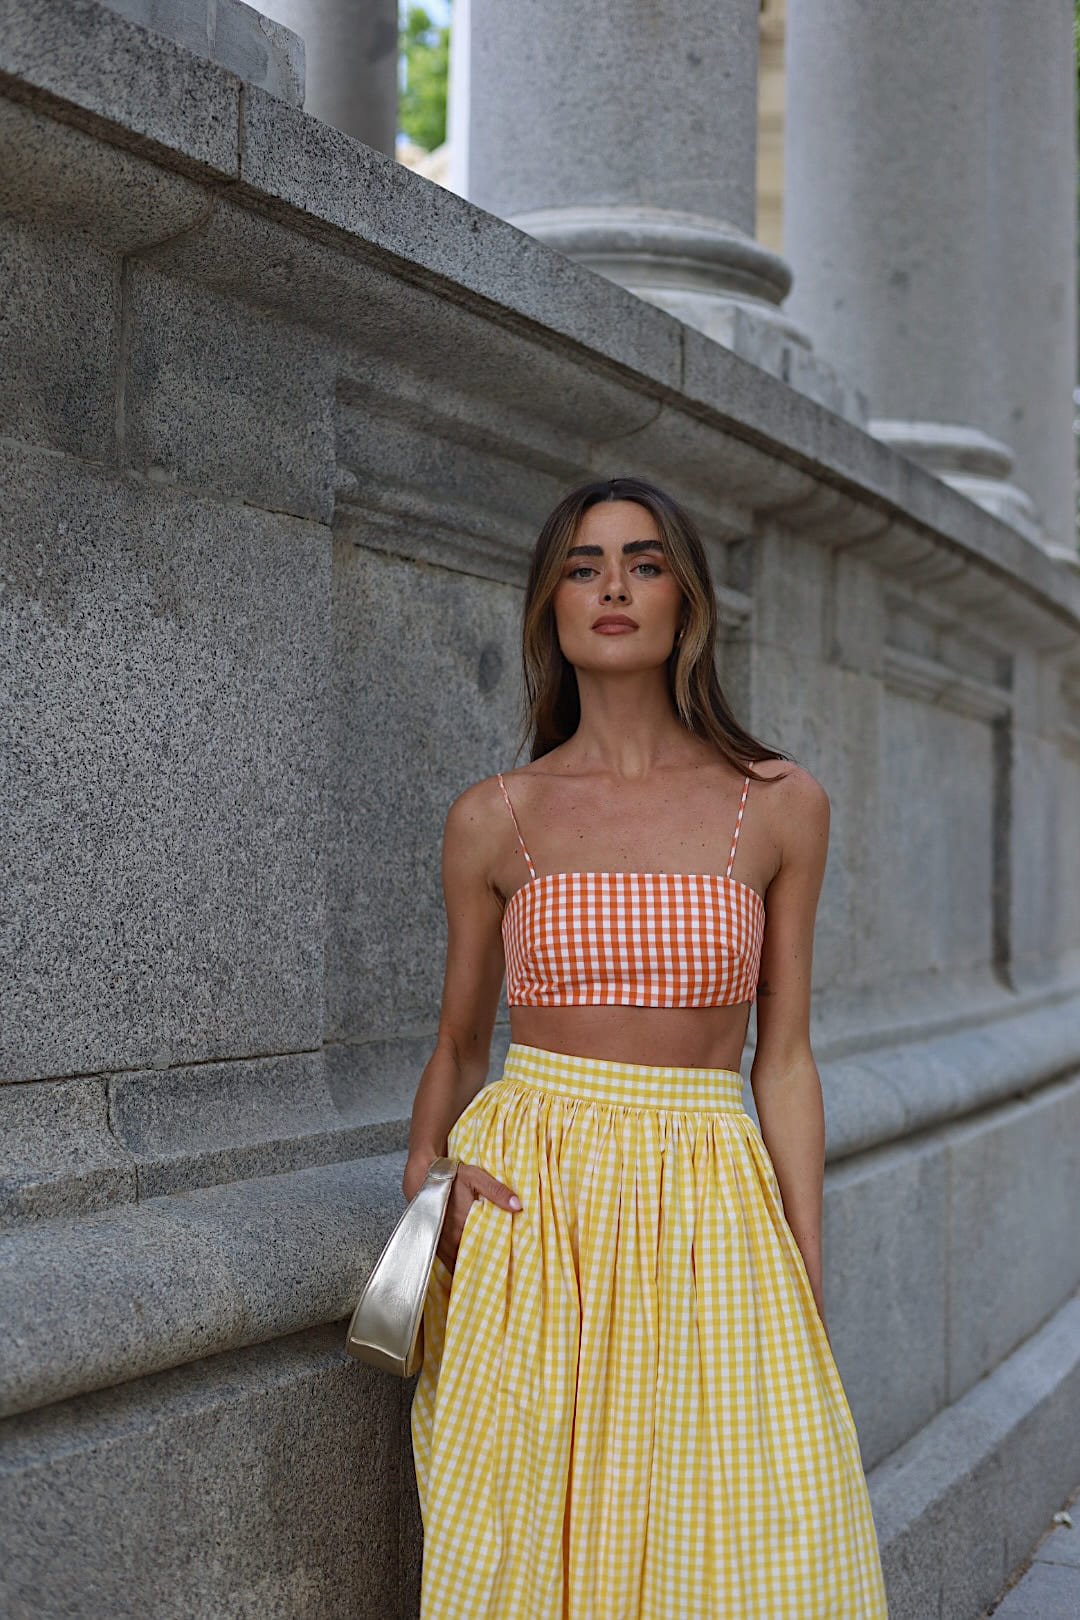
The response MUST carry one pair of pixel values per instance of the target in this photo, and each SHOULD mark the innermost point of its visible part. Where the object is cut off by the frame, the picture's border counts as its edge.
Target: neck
(629, 725)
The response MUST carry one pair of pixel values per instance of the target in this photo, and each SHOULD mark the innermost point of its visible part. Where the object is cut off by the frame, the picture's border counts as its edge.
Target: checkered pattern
(632, 939)
(628, 1408)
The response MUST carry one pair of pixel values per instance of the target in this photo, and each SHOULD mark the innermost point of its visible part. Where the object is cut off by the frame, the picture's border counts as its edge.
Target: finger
(486, 1186)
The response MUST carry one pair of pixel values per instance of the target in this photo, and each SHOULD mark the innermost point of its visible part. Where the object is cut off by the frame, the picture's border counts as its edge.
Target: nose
(615, 587)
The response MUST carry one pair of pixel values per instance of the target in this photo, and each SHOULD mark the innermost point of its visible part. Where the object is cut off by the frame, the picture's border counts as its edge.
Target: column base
(708, 274)
(969, 461)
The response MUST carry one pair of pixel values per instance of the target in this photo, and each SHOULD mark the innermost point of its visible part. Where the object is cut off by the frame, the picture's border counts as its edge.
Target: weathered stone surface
(115, 1296)
(235, 36)
(58, 1155)
(217, 1122)
(58, 342)
(1014, 1211)
(1045, 1593)
(887, 1090)
(941, 1500)
(56, 178)
(1045, 841)
(331, 178)
(217, 396)
(1061, 1546)
(164, 678)
(885, 1248)
(260, 1485)
(373, 1082)
(426, 673)
(149, 91)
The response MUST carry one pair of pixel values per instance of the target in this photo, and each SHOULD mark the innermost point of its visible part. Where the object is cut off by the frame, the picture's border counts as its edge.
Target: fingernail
(515, 1201)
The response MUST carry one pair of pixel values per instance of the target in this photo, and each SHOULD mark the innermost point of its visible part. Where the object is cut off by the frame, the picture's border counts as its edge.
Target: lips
(611, 623)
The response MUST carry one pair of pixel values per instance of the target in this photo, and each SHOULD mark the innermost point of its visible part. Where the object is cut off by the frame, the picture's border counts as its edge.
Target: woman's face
(617, 605)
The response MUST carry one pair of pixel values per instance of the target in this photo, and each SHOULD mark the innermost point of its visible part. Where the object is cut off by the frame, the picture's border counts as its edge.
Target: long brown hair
(552, 705)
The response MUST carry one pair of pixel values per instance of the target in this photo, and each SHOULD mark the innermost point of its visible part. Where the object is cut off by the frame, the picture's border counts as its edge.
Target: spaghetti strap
(517, 829)
(738, 825)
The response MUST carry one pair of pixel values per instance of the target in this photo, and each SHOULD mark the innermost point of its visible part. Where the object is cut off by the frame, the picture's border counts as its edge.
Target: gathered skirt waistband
(669, 1087)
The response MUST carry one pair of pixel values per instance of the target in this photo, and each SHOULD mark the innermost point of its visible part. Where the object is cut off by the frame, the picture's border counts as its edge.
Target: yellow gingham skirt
(628, 1408)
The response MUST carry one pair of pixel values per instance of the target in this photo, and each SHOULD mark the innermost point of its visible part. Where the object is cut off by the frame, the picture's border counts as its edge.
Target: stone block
(791, 581)
(373, 1083)
(58, 1155)
(236, 36)
(56, 178)
(217, 1122)
(220, 396)
(324, 174)
(482, 414)
(938, 1508)
(884, 1247)
(863, 1107)
(1034, 1413)
(943, 1498)
(425, 693)
(58, 342)
(1044, 917)
(876, 1092)
(116, 1296)
(165, 679)
(848, 767)
(1014, 1210)
(935, 810)
(1061, 1546)
(1047, 1592)
(80, 53)
(260, 1485)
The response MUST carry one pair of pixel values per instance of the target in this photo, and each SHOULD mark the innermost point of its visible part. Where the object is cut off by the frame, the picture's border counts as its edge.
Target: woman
(628, 1405)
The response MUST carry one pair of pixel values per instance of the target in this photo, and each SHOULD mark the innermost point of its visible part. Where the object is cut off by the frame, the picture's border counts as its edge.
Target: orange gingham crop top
(632, 939)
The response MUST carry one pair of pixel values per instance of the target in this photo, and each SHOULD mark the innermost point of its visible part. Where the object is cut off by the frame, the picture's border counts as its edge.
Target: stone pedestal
(352, 56)
(889, 225)
(625, 136)
(1033, 188)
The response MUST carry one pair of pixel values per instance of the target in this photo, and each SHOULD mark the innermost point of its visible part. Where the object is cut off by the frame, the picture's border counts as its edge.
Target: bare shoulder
(477, 815)
(799, 809)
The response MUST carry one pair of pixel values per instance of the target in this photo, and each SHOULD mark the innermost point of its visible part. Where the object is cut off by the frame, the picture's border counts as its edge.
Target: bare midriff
(673, 1037)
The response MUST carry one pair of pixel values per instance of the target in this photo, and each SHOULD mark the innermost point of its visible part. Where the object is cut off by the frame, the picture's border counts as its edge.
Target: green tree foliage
(425, 60)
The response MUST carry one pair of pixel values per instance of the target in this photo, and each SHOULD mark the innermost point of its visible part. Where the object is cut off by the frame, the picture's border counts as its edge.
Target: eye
(579, 570)
(655, 567)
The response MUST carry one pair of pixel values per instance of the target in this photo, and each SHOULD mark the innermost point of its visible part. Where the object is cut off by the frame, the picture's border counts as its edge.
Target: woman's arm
(784, 1077)
(474, 973)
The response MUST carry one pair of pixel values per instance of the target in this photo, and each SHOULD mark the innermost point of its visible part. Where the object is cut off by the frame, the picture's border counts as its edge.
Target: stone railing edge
(276, 158)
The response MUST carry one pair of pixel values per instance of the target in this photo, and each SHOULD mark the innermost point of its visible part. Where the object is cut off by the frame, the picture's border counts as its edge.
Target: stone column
(352, 55)
(888, 223)
(1033, 151)
(623, 133)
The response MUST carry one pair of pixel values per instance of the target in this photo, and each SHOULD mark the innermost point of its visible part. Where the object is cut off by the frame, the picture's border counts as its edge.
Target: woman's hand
(470, 1183)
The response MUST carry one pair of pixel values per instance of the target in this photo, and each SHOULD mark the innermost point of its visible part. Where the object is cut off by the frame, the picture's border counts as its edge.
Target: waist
(633, 1085)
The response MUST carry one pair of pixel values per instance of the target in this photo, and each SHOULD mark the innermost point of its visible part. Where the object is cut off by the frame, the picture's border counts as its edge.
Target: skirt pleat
(628, 1408)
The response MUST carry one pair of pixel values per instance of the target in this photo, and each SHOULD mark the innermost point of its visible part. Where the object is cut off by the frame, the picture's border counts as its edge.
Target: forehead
(615, 523)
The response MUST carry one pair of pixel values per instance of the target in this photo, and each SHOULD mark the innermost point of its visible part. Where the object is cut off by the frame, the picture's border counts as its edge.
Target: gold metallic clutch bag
(387, 1324)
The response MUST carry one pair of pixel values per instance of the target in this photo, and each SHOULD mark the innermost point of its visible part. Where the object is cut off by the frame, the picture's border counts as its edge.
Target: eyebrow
(630, 548)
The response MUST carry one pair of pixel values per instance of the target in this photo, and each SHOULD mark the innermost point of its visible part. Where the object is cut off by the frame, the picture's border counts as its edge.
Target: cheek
(570, 611)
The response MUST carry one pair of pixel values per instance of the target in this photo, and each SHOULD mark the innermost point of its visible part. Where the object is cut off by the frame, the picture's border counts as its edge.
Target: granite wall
(278, 422)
